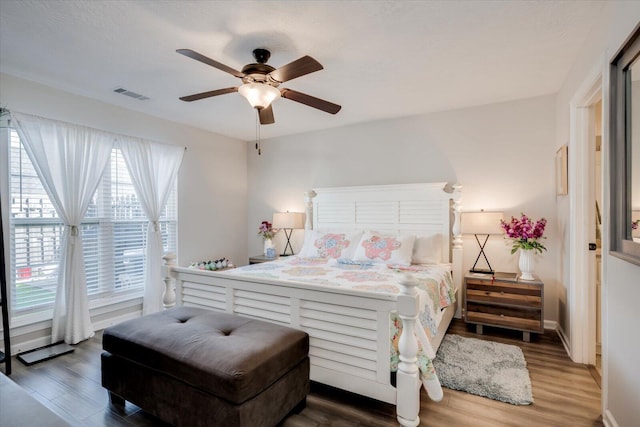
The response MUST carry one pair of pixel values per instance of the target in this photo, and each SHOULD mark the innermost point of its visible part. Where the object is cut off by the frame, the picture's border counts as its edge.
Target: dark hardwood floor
(565, 393)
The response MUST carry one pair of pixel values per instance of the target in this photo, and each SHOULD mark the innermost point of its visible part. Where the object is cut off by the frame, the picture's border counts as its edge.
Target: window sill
(114, 299)
(47, 314)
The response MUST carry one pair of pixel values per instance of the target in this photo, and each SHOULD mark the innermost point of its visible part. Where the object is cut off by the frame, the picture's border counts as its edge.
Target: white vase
(268, 244)
(526, 265)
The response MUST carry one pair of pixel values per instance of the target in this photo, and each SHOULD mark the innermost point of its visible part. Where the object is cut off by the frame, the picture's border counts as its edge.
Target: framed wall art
(562, 181)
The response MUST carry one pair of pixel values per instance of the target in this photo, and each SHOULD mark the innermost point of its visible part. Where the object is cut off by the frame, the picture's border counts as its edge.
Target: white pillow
(389, 249)
(427, 250)
(329, 245)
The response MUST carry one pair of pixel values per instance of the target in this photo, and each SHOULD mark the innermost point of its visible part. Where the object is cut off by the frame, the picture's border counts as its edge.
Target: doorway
(586, 298)
(595, 261)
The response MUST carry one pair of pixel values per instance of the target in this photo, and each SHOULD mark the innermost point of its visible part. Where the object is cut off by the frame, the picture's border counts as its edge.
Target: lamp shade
(259, 95)
(290, 220)
(481, 222)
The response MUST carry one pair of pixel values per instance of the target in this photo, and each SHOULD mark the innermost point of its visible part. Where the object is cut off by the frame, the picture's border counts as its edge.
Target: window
(624, 150)
(113, 234)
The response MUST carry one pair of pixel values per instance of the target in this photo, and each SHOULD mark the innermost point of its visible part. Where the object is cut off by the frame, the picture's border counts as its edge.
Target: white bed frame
(349, 331)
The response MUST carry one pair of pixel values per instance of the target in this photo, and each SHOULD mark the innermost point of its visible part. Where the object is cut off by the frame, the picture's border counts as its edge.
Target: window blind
(113, 234)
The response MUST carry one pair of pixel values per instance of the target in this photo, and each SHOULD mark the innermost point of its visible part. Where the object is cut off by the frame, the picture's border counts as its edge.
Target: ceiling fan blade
(311, 101)
(209, 94)
(297, 68)
(199, 57)
(266, 116)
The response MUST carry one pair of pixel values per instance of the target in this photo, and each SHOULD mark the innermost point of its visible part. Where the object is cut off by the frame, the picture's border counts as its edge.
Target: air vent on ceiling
(131, 94)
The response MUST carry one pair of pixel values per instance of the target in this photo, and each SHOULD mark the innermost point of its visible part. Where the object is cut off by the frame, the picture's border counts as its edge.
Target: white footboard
(349, 333)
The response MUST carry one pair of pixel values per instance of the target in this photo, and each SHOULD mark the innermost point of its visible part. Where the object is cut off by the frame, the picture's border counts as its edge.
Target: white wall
(503, 155)
(212, 183)
(621, 280)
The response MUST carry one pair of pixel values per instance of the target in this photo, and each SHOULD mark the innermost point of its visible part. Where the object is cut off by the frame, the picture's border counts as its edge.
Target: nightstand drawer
(504, 287)
(504, 311)
(504, 321)
(502, 297)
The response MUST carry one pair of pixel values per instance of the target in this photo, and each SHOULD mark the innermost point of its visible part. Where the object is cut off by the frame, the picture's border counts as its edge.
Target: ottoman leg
(300, 406)
(114, 399)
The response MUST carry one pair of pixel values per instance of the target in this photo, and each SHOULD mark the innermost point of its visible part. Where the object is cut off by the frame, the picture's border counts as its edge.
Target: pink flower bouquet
(266, 230)
(525, 233)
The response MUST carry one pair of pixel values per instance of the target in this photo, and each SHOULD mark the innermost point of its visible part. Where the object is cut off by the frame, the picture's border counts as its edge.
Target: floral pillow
(388, 249)
(329, 245)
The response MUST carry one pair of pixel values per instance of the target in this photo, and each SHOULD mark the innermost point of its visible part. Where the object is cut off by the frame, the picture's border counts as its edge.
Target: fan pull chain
(258, 133)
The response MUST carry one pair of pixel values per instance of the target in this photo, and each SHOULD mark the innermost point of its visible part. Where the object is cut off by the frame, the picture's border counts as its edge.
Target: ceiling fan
(261, 83)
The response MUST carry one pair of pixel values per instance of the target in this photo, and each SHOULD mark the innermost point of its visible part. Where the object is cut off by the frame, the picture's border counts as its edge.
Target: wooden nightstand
(504, 302)
(257, 259)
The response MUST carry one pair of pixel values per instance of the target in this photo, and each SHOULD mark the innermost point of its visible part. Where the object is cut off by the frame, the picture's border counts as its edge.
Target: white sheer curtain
(69, 160)
(153, 168)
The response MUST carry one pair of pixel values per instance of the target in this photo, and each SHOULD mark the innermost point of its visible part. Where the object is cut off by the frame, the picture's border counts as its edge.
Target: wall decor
(562, 181)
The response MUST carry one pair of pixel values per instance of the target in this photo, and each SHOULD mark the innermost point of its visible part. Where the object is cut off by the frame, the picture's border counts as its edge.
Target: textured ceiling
(381, 59)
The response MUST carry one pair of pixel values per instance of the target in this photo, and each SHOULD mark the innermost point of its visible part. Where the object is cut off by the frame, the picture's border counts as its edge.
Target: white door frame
(582, 289)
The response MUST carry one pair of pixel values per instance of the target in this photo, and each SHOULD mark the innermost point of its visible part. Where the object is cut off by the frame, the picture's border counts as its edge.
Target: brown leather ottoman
(195, 367)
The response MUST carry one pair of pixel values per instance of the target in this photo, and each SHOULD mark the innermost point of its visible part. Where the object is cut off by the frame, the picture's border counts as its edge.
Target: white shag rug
(485, 368)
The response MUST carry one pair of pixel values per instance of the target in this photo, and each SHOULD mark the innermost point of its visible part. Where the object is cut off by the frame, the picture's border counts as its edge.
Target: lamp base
(481, 271)
(288, 245)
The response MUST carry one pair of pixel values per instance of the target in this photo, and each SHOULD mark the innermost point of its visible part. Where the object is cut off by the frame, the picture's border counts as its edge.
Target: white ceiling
(381, 59)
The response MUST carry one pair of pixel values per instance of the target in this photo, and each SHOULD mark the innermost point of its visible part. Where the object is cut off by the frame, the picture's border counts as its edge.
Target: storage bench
(195, 367)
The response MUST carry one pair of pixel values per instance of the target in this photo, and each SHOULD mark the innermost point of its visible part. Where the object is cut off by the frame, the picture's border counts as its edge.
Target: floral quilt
(434, 287)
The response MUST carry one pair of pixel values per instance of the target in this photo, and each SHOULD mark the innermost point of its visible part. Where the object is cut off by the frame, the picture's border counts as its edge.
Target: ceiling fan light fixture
(259, 95)
(261, 82)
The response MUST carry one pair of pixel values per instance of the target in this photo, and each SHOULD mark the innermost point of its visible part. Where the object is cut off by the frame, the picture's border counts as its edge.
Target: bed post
(308, 203)
(456, 250)
(169, 297)
(408, 376)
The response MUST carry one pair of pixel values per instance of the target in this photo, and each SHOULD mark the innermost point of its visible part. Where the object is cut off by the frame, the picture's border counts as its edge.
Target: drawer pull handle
(487, 293)
(501, 292)
(501, 315)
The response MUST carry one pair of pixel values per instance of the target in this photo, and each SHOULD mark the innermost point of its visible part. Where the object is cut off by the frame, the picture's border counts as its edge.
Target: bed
(350, 329)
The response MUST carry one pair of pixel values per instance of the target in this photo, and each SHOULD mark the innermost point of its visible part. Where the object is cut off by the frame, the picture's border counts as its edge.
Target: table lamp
(481, 224)
(288, 221)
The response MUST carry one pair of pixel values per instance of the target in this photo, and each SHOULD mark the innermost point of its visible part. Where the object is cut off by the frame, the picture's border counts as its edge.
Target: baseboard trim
(113, 320)
(565, 341)
(550, 325)
(30, 344)
(609, 420)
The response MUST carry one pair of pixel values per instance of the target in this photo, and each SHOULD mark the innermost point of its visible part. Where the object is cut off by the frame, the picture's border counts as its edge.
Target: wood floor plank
(565, 393)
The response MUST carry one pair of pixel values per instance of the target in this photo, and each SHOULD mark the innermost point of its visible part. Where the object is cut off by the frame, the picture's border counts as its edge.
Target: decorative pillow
(329, 245)
(427, 250)
(378, 247)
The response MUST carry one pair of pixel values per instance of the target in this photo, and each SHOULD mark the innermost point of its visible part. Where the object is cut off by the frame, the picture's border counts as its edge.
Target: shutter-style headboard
(421, 209)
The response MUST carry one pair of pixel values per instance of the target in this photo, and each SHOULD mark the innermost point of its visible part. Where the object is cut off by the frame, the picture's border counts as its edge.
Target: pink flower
(266, 230)
(525, 233)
